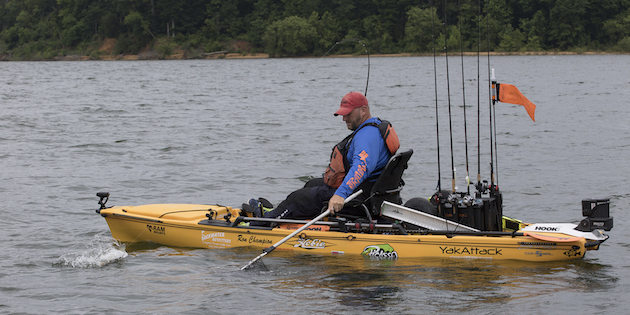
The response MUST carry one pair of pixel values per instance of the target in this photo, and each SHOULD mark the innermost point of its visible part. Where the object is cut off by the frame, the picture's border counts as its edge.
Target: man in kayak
(355, 163)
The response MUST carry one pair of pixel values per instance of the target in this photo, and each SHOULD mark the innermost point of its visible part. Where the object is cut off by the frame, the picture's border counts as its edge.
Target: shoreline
(230, 55)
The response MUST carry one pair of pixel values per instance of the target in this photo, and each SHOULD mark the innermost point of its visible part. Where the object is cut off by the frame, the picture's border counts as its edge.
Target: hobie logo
(380, 251)
(547, 228)
(310, 244)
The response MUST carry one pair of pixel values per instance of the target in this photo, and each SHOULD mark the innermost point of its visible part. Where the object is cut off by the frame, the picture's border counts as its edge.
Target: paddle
(561, 238)
(321, 216)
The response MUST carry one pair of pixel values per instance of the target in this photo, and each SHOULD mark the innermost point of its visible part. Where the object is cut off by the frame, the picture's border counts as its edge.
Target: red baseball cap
(351, 101)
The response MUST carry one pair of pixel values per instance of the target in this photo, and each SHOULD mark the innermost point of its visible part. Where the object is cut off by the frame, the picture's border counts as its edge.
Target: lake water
(223, 131)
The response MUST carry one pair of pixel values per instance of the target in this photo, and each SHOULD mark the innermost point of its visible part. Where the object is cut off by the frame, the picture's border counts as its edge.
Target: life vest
(339, 164)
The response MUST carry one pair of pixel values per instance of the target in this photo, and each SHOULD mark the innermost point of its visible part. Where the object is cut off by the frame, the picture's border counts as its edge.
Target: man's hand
(335, 204)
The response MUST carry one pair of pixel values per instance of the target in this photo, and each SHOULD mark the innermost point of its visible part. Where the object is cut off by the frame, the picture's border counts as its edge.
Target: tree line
(45, 29)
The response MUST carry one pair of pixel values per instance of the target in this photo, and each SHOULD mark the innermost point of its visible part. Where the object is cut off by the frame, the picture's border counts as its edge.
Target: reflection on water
(439, 285)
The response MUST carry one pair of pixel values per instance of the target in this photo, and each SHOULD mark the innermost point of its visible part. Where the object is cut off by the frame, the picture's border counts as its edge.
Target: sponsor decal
(310, 243)
(538, 253)
(471, 251)
(211, 235)
(156, 229)
(253, 240)
(547, 228)
(358, 174)
(380, 251)
(215, 239)
(290, 226)
(573, 253)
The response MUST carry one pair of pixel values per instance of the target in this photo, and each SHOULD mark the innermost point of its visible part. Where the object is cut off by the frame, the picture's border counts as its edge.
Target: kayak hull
(212, 226)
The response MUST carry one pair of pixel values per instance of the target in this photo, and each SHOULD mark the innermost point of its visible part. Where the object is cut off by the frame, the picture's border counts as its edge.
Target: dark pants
(309, 201)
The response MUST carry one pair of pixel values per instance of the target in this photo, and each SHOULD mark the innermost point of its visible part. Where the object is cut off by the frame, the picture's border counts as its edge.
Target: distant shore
(232, 55)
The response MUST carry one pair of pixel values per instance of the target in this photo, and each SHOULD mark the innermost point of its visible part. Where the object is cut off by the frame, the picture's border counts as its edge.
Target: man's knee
(315, 182)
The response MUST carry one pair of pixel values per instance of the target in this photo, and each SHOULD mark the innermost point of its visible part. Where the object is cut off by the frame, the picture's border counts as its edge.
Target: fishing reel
(104, 197)
(483, 187)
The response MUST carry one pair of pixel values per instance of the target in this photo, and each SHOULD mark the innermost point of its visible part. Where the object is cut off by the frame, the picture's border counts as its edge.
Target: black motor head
(104, 197)
(597, 213)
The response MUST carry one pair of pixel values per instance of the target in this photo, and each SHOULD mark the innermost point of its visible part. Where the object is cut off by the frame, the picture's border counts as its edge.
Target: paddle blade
(256, 262)
(562, 238)
(257, 265)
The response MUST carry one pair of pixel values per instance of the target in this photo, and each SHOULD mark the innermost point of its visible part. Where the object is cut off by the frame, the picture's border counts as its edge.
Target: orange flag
(508, 93)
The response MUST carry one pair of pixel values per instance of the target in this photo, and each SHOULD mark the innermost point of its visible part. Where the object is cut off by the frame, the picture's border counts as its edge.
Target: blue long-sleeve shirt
(367, 152)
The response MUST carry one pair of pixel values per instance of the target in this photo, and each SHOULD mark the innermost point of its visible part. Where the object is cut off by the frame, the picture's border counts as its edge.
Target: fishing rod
(461, 49)
(366, 51)
(437, 121)
(448, 97)
(496, 150)
(478, 94)
(482, 211)
(490, 92)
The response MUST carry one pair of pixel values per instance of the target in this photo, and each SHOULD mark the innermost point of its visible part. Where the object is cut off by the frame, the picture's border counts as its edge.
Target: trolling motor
(597, 213)
(104, 197)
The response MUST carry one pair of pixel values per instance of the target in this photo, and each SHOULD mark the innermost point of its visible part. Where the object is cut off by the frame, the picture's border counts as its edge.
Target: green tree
(41, 29)
(292, 36)
(511, 40)
(328, 31)
(226, 18)
(535, 30)
(420, 27)
(377, 35)
(72, 32)
(264, 12)
(497, 14)
(568, 24)
(618, 27)
(138, 26)
(617, 30)
(450, 43)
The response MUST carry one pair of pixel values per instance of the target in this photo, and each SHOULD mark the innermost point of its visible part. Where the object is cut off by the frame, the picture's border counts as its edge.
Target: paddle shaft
(321, 216)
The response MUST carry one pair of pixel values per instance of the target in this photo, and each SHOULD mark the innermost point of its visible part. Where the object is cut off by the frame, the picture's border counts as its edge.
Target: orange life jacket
(339, 164)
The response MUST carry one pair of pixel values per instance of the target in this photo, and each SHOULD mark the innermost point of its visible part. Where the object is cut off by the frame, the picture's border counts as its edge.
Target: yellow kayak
(219, 227)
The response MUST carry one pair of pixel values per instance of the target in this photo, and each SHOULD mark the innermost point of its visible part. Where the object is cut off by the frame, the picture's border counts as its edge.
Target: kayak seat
(387, 187)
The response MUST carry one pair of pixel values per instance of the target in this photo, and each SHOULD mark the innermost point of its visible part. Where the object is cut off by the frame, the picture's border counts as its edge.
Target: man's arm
(365, 150)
